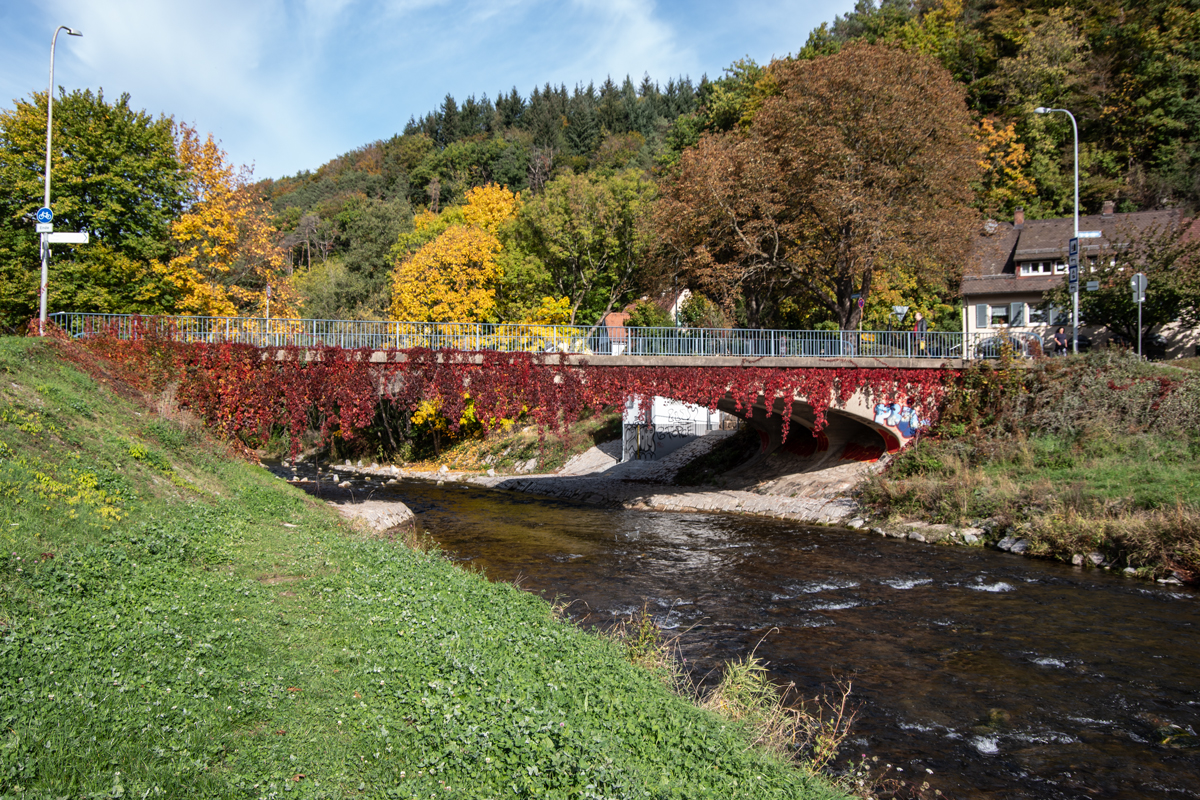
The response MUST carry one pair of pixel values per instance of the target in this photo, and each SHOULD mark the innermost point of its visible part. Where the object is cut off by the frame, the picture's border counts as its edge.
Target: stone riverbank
(772, 487)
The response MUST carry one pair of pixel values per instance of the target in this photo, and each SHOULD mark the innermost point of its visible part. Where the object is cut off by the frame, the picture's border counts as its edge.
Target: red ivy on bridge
(246, 391)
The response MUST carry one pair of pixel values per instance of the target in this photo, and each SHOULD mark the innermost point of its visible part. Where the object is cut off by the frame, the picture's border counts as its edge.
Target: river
(986, 674)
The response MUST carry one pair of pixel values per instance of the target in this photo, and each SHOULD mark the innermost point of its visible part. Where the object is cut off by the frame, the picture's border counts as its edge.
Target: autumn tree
(114, 175)
(226, 253)
(862, 162)
(591, 233)
(1002, 185)
(447, 269)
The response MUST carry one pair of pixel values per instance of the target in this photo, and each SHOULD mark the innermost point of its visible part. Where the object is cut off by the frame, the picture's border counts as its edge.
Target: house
(1013, 266)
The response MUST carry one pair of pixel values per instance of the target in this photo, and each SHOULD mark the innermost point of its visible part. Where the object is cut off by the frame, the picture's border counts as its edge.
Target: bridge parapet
(594, 341)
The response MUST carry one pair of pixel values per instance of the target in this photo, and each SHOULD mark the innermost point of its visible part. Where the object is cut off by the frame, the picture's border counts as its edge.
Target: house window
(981, 316)
(998, 316)
(1041, 316)
(1060, 269)
(1037, 268)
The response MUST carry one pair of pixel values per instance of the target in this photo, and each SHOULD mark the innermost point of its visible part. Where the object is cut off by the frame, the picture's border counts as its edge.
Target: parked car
(1154, 346)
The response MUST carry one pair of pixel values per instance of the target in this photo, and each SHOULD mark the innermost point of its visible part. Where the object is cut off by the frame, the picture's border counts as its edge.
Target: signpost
(1139, 296)
(45, 226)
(1073, 285)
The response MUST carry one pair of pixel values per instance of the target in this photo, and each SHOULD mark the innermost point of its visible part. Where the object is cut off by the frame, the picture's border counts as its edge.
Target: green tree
(116, 176)
(590, 233)
(646, 314)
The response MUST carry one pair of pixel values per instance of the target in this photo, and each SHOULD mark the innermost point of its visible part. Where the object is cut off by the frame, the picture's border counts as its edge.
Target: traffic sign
(1139, 287)
(44, 214)
(861, 302)
(44, 227)
(1073, 266)
(68, 237)
(1093, 286)
(1090, 234)
(1072, 247)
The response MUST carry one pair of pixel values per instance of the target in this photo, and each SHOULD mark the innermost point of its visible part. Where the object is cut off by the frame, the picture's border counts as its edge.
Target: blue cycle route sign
(44, 215)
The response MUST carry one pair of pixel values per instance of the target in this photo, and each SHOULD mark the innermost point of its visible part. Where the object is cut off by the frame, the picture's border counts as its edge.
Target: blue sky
(287, 85)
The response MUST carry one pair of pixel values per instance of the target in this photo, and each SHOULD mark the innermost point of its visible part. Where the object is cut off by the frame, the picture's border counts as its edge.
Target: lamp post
(45, 284)
(1075, 294)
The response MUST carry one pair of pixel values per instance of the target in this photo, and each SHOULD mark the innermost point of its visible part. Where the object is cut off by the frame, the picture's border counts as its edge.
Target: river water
(987, 674)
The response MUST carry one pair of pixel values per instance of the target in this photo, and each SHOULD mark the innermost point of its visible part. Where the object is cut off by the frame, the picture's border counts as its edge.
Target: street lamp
(1075, 294)
(45, 285)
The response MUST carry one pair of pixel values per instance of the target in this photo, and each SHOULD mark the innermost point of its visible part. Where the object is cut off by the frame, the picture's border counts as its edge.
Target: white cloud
(290, 84)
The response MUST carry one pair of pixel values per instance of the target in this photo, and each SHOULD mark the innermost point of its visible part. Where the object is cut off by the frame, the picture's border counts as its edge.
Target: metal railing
(582, 339)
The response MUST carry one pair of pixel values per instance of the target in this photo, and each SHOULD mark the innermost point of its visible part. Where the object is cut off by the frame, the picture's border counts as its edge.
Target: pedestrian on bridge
(919, 329)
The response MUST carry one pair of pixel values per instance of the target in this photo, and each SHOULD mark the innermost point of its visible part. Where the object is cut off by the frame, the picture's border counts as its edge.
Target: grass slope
(177, 622)
(1096, 453)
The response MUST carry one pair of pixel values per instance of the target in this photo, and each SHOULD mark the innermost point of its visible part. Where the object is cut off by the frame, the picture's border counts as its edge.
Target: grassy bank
(174, 621)
(1090, 454)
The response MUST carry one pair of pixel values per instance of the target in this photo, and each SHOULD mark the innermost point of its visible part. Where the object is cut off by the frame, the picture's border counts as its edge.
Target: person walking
(1060, 341)
(920, 326)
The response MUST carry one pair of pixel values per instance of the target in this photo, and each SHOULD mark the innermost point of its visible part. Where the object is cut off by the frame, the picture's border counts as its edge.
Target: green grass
(1092, 454)
(175, 622)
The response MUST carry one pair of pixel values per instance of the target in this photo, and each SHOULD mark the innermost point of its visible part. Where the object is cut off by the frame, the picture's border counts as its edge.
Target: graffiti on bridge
(900, 417)
(641, 442)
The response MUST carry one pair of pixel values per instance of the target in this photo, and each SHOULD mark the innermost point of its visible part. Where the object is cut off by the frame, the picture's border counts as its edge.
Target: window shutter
(1016, 315)
(981, 316)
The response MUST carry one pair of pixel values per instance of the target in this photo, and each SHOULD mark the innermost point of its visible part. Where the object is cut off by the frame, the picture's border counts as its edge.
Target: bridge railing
(589, 340)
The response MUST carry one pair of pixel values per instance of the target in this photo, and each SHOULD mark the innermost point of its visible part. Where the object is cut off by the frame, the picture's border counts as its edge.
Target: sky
(287, 85)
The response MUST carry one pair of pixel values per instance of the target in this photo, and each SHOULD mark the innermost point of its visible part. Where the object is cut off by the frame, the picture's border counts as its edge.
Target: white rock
(1077, 559)
(916, 536)
(444, 469)
(971, 538)
(1096, 558)
(1006, 543)
(491, 472)
(1019, 546)
(856, 523)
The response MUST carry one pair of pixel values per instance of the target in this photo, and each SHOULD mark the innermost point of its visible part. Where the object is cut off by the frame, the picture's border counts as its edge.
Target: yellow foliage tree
(1002, 184)
(447, 270)
(551, 312)
(489, 207)
(451, 279)
(225, 250)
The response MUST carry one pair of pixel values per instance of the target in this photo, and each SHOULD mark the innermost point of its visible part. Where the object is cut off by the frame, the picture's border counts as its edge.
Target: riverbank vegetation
(174, 620)
(1098, 453)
